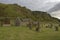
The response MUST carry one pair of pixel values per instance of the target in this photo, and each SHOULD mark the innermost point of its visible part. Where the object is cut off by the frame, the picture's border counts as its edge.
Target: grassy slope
(23, 33)
(14, 10)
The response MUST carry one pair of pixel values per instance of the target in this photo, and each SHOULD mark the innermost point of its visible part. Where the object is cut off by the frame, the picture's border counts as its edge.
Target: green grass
(23, 33)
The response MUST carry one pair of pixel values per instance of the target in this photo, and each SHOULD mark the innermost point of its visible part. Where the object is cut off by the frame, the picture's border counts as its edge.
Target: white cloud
(56, 14)
(43, 5)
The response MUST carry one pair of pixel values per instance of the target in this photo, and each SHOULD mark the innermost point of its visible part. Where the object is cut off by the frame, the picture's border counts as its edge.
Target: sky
(56, 14)
(40, 5)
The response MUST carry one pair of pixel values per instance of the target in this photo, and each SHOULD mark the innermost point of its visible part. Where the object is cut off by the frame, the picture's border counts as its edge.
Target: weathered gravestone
(56, 28)
(17, 21)
(30, 25)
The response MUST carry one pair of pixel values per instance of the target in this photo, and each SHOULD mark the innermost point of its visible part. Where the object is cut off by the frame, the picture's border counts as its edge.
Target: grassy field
(23, 33)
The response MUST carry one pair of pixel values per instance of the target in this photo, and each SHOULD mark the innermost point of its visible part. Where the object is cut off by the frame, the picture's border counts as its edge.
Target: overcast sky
(41, 5)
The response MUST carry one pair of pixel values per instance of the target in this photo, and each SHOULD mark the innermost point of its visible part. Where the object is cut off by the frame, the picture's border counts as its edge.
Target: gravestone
(17, 21)
(30, 25)
(38, 26)
(56, 28)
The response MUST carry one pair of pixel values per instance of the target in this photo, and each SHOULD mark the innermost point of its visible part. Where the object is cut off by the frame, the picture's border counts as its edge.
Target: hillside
(14, 10)
(44, 17)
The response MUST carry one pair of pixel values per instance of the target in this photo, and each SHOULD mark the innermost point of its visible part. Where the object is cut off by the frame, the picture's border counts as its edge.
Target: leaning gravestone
(17, 21)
